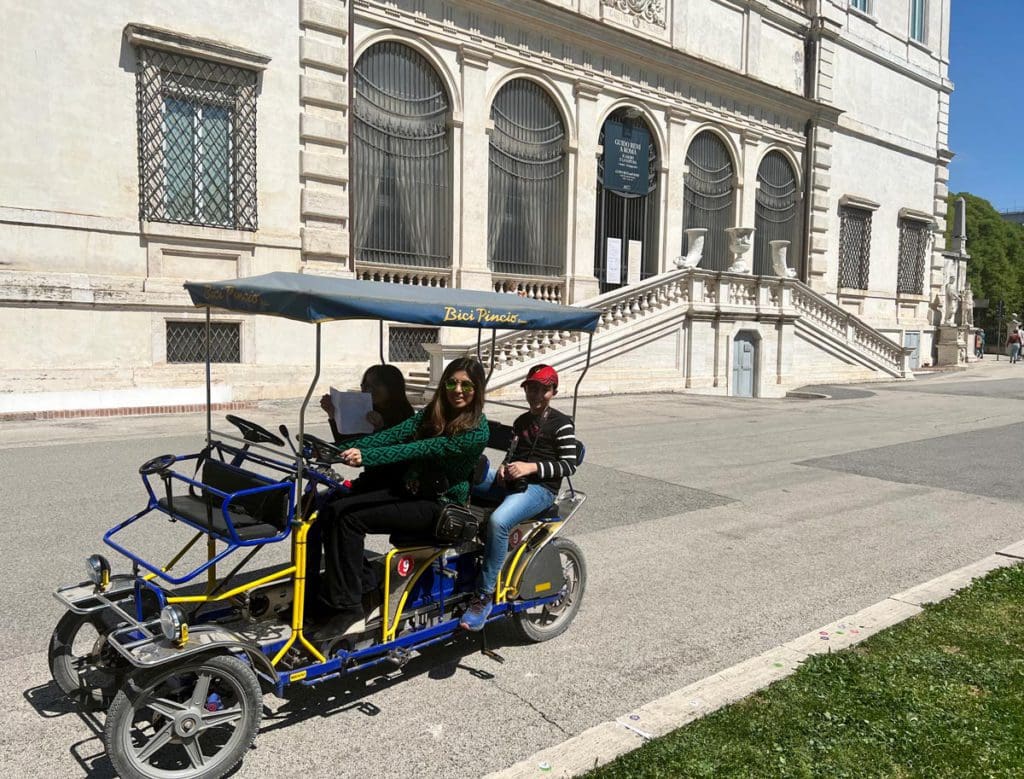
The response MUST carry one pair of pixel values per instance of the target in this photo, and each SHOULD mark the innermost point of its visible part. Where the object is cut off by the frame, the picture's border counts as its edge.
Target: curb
(125, 411)
(603, 743)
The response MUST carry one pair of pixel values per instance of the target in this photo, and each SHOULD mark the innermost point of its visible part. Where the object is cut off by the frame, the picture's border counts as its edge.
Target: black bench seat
(254, 515)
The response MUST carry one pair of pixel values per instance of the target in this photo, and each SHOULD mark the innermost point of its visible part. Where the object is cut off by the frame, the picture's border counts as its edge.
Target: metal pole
(494, 338)
(302, 420)
(209, 413)
(586, 367)
(380, 341)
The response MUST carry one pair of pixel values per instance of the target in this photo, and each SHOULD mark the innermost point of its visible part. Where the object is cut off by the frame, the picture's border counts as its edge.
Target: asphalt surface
(715, 529)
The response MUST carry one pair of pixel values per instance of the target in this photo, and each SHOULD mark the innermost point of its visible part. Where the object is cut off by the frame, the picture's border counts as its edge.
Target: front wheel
(194, 720)
(543, 623)
(83, 665)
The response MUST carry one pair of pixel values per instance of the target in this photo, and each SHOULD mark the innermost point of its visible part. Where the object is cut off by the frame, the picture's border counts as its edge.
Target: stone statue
(950, 300)
(779, 252)
(967, 306)
(695, 237)
(740, 241)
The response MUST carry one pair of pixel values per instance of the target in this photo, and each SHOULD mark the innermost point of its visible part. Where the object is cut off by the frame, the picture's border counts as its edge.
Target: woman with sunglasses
(440, 445)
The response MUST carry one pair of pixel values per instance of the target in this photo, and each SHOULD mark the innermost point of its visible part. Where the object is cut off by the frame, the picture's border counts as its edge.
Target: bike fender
(543, 575)
(201, 639)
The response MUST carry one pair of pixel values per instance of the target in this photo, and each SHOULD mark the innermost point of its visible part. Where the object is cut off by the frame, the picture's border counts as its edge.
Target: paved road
(716, 528)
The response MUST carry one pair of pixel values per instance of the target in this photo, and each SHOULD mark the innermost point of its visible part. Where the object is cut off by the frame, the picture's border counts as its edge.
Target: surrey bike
(181, 658)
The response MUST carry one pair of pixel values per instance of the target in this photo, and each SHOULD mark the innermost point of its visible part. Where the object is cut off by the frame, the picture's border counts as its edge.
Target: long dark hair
(439, 418)
(391, 379)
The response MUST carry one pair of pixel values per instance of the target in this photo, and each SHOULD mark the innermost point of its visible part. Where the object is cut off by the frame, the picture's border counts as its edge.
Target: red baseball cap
(542, 374)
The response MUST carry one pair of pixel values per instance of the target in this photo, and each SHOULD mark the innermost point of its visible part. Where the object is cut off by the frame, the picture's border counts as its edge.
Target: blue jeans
(514, 508)
(1014, 352)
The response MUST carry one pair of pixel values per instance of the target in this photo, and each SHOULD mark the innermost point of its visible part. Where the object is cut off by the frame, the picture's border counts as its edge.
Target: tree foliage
(996, 267)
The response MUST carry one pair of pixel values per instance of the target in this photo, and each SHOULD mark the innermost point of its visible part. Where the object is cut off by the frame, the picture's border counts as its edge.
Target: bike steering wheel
(320, 449)
(254, 433)
(157, 464)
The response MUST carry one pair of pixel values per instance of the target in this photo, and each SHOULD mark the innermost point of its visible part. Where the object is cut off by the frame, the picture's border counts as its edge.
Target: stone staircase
(812, 339)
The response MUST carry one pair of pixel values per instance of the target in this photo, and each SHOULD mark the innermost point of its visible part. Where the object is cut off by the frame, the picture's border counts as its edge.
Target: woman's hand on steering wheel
(352, 457)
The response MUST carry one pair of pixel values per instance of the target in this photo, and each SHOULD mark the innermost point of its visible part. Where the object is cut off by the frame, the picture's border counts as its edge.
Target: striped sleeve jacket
(551, 443)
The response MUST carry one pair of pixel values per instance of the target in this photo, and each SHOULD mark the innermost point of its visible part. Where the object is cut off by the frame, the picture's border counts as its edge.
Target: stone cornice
(192, 46)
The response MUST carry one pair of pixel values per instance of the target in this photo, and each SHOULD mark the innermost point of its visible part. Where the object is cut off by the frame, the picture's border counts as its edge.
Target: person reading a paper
(381, 403)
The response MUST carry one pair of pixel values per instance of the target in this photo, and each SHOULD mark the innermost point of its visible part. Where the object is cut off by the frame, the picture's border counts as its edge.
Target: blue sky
(986, 64)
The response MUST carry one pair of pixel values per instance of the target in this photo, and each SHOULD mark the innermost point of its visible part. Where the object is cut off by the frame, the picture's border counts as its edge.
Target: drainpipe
(810, 91)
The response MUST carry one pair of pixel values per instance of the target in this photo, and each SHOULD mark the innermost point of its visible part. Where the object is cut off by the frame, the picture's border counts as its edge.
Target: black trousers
(346, 522)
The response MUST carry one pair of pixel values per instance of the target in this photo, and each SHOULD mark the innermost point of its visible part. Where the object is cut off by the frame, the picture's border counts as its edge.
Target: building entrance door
(912, 340)
(744, 365)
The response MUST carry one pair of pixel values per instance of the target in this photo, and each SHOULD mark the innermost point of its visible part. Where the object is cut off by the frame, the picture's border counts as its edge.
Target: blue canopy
(309, 298)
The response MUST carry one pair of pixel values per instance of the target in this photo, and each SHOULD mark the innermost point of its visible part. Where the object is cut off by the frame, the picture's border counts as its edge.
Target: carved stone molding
(650, 11)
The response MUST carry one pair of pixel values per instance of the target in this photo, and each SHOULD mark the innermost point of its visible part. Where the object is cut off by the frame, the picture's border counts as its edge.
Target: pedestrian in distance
(1013, 342)
(979, 344)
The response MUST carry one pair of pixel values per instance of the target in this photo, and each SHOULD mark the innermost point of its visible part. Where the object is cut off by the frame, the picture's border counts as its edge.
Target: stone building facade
(454, 143)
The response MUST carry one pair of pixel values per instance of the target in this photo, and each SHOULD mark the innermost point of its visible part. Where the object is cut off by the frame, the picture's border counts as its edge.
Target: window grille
(854, 247)
(527, 194)
(401, 160)
(709, 197)
(186, 342)
(913, 255)
(405, 344)
(627, 218)
(776, 214)
(197, 141)
(918, 13)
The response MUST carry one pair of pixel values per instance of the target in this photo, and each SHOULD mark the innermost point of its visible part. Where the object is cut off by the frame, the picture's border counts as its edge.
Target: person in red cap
(543, 452)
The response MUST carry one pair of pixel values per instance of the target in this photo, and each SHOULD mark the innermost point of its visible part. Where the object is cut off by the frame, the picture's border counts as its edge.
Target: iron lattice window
(401, 160)
(913, 254)
(709, 197)
(197, 141)
(854, 247)
(405, 344)
(527, 183)
(186, 342)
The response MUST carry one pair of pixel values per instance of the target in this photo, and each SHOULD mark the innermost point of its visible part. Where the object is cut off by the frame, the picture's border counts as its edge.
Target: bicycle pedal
(399, 656)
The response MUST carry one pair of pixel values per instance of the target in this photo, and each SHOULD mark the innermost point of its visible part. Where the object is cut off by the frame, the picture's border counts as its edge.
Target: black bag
(456, 524)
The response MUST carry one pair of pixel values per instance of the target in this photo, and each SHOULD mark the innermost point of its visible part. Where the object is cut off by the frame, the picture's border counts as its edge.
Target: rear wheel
(545, 622)
(194, 720)
(81, 662)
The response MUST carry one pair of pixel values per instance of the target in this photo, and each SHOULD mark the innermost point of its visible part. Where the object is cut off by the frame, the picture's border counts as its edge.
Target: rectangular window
(186, 342)
(405, 344)
(913, 255)
(918, 12)
(861, 5)
(197, 141)
(854, 247)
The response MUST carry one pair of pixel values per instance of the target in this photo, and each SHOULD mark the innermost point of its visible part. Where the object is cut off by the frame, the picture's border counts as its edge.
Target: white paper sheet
(634, 261)
(613, 261)
(350, 410)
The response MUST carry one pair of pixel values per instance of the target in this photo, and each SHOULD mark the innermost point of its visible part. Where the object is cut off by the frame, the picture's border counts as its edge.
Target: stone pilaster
(323, 135)
(747, 177)
(582, 281)
(675, 161)
(471, 271)
(819, 217)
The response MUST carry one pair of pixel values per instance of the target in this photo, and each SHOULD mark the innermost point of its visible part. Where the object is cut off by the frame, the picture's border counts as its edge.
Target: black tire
(545, 622)
(83, 666)
(167, 713)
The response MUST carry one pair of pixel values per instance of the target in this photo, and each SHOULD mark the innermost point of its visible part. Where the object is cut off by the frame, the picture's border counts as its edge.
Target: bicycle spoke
(195, 753)
(201, 690)
(160, 738)
(217, 719)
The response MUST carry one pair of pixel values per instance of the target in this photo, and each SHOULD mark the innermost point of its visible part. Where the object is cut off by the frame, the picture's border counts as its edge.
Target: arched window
(627, 201)
(777, 212)
(709, 196)
(401, 160)
(526, 217)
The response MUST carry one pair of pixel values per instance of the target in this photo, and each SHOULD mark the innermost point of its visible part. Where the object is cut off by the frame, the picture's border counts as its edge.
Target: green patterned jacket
(454, 456)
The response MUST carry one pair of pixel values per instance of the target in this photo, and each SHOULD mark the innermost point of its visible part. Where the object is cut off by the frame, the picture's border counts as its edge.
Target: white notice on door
(613, 261)
(634, 259)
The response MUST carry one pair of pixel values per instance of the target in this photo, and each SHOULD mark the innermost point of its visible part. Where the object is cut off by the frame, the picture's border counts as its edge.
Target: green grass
(940, 695)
